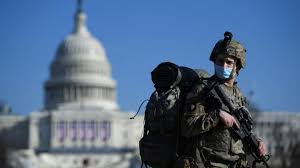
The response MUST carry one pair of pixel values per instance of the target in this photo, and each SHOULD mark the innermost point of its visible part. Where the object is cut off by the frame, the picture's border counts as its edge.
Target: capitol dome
(80, 73)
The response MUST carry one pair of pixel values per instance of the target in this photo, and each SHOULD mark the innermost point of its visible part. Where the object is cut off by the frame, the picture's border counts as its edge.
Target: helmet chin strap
(233, 73)
(231, 80)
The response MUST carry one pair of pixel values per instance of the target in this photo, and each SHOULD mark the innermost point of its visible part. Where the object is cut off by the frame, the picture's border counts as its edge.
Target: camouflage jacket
(200, 122)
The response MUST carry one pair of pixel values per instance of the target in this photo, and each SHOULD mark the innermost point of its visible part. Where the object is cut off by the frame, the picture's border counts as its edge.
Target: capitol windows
(73, 130)
(107, 93)
(89, 91)
(91, 130)
(71, 91)
(104, 130)
(61, 131)
(100, 92)
(86, 92)
(93, 92)
(83, 130)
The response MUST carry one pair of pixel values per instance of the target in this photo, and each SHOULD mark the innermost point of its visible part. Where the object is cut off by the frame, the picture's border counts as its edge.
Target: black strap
(142, 164)
(138, 109)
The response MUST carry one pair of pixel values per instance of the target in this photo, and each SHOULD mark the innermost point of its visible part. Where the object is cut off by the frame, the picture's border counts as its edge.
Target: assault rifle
(244, 132)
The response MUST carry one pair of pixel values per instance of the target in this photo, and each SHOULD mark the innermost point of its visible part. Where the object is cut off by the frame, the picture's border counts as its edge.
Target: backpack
(159, 146)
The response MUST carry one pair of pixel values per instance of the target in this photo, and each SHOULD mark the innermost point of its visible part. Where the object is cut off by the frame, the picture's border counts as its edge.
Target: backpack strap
(142, 164)
(138, 109)
(208, 84)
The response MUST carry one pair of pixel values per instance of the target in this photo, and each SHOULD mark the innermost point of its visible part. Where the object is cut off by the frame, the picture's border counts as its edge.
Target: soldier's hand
(228, 120)
(262, 148)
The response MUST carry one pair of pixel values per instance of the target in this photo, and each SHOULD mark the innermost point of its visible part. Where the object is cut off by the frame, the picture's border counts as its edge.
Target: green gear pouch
(185, 162)
(242, 163)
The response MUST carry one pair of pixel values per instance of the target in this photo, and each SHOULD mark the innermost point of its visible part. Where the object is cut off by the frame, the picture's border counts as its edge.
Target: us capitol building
(81, 125)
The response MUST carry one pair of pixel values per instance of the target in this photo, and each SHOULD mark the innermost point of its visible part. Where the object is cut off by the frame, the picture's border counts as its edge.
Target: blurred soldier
(208, 123)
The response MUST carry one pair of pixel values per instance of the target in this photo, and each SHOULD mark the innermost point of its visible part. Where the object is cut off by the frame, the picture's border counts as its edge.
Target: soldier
(206, 123)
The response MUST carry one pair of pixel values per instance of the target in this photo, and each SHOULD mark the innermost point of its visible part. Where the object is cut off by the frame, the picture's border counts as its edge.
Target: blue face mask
(222, 72)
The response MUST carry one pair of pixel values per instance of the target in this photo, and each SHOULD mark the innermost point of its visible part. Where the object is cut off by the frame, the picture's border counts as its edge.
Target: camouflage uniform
(209, 142)
(216, 145)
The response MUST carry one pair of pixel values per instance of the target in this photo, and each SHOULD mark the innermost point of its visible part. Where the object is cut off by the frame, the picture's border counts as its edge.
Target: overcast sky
(139, 34)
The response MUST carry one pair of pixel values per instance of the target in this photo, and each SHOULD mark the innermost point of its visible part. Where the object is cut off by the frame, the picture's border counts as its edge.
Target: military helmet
(231, 48)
